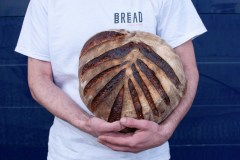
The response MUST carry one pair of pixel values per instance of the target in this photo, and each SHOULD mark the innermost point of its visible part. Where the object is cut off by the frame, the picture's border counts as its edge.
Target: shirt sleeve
(179, 22)
(33, 39)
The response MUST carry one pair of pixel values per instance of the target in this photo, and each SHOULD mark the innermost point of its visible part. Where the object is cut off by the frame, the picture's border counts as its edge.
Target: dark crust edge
(145, 90)
(106, 90)
(150, 74)
(98, 78)
(135, 99)
(149, 53)
(116, 110)
(101, 38)
(112, 54)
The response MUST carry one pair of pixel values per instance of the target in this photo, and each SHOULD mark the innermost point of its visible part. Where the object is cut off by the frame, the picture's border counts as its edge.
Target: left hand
(148, 135)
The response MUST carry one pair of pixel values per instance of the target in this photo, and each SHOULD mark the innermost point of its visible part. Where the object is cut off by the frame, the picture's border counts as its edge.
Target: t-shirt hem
(187, 37)
(59, 149)
(30, 53)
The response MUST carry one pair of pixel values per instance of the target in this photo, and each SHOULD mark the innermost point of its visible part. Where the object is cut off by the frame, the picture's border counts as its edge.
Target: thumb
(106, 126)
(134, 123)
(114, 127)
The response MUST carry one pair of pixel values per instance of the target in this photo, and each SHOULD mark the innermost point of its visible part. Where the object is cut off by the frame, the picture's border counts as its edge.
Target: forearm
(46, 93)
(177, 115)
(187, 56)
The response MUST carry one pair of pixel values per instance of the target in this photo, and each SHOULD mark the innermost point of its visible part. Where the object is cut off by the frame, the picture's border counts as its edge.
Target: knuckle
(166, 134)
(145, 123)
(132, 144)
(129, 121)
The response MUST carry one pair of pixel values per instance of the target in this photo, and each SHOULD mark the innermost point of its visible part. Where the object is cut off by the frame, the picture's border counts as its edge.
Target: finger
(122, 140)
(118, 134)
(111, 127)
(134, 123)
(106, 126)
(117, 148)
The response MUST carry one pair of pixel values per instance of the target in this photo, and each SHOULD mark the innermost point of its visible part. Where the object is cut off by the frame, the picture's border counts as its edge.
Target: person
(52, 36)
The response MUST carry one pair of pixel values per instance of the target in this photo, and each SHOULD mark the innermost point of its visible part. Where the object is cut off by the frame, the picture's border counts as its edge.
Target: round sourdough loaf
(130, 74)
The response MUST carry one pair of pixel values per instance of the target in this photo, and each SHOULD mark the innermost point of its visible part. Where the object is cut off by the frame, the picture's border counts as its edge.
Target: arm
(45, 92)
(187, 56)
(150, 134)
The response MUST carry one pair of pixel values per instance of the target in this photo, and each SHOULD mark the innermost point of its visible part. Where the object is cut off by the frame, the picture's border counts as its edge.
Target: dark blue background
(210, 131)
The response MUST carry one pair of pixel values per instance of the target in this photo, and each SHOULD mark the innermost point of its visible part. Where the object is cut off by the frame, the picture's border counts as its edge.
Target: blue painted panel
(219, 84)
(222, 38)
(203, 152)
(217, 6)
(15, 91)
(13, 7)
(24, 126)
(9, 32)
(23, 153)
(208, 126)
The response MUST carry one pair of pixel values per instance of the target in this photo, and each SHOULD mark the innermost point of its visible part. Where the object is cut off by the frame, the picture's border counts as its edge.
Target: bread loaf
(130, 74)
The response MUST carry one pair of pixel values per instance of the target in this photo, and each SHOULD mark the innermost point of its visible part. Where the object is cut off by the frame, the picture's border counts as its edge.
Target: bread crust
(130, 74)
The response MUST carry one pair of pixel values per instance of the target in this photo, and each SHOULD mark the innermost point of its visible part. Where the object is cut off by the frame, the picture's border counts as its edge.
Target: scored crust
(130, 74)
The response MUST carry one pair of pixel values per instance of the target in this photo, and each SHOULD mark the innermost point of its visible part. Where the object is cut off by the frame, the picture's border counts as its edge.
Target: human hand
(96, 127)
(148, 135)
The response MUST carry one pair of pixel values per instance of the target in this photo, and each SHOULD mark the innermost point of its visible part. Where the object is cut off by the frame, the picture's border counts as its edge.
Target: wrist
(82, 123)
(86, 125)
(166, 129)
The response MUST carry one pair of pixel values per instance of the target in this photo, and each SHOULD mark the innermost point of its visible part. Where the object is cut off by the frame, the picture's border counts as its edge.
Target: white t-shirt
(56, 30)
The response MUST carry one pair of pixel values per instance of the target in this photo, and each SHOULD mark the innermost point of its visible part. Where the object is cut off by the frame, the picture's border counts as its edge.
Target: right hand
(96, 126)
